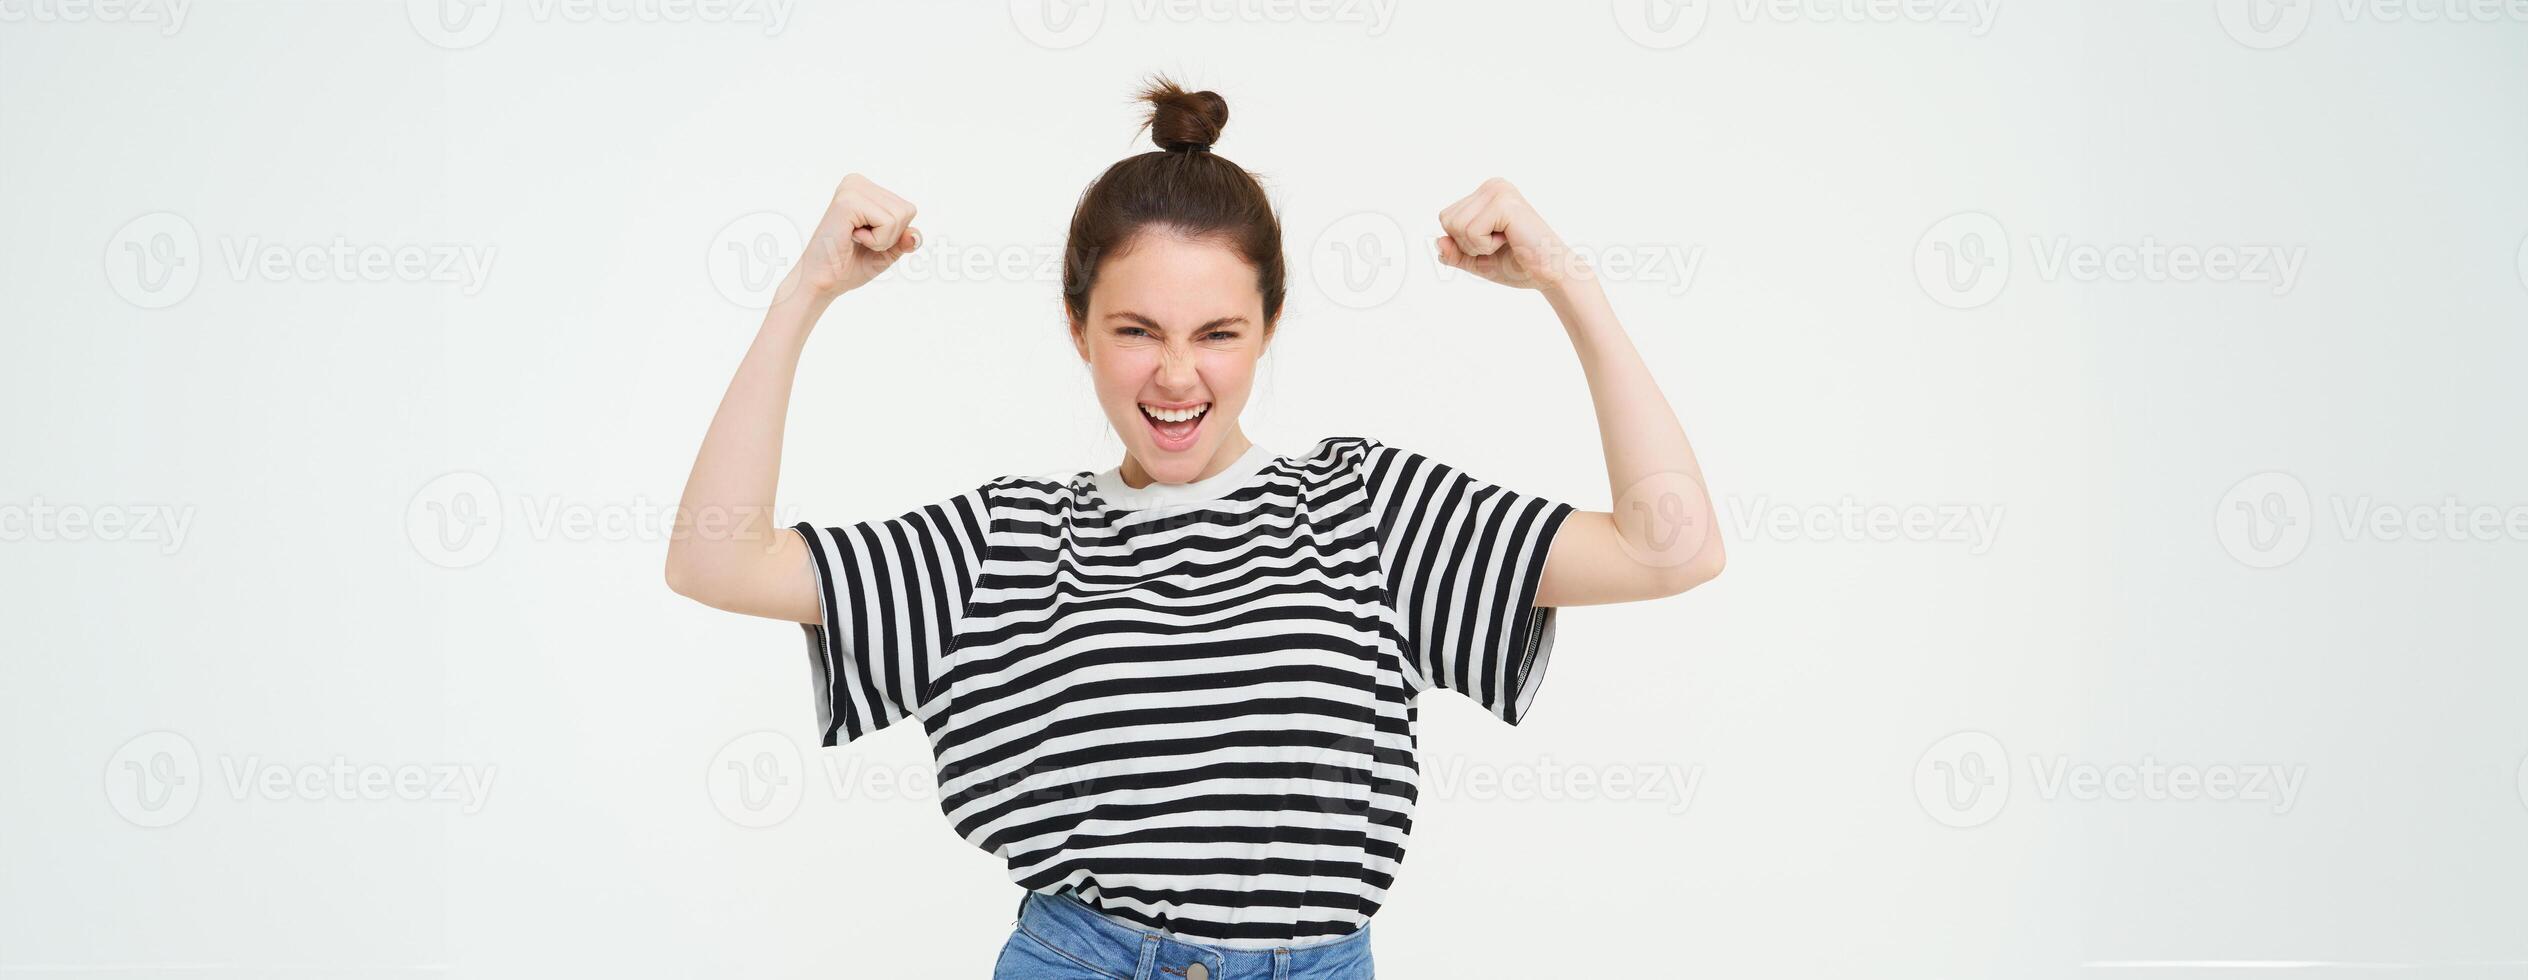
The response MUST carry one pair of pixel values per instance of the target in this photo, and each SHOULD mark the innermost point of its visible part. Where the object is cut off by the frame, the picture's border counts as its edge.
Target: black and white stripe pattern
(1194, 711)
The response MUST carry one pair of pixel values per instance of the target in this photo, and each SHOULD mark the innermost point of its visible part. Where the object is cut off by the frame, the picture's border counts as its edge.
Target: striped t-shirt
(1191, 705)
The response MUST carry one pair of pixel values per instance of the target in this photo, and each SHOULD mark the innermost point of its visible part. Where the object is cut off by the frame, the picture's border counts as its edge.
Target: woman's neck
(1233, 447)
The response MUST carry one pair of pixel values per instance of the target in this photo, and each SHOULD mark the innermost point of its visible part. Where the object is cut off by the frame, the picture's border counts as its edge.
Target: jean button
(1197, 971)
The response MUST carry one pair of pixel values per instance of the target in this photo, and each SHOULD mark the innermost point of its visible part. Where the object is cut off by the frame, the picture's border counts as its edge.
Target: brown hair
(1185, 190)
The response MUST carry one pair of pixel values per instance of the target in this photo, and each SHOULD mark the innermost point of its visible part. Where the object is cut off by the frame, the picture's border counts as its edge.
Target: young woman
(1178, 696)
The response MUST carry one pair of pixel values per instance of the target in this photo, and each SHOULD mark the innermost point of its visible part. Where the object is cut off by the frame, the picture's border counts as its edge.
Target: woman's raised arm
(1659, 539)
(729, 551)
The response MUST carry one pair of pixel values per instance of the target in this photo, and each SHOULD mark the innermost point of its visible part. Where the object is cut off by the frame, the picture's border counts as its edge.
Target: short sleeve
(892, 592)
(1463, 559)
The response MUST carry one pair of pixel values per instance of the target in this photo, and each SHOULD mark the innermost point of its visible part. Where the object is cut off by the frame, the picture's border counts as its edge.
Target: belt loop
(1149, 958)
(1281, 963)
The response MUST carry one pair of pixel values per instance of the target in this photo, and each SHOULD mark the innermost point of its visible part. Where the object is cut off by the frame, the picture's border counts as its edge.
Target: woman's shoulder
(1035, 484)
(1342, 448)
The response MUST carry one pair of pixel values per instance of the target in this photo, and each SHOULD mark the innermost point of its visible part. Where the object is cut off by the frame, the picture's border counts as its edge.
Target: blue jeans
(1060, 937)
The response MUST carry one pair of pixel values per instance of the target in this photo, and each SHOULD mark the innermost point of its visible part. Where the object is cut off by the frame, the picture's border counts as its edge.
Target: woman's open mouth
(1174, 428)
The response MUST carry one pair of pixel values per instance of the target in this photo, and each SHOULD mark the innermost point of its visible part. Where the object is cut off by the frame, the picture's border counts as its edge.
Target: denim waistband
(1068, 924)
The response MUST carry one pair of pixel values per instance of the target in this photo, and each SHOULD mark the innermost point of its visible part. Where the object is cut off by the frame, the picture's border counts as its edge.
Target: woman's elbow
(684, 578)
(1703, 567)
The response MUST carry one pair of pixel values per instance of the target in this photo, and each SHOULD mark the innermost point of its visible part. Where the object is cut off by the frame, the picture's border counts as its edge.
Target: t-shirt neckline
(1111, 486)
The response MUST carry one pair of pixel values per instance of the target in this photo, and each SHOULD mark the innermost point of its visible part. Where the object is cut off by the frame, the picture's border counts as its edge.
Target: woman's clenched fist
(864, 230)
(1493, 233)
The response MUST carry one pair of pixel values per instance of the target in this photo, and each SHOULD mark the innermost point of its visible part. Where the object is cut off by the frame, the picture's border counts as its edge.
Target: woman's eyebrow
(1154, 324)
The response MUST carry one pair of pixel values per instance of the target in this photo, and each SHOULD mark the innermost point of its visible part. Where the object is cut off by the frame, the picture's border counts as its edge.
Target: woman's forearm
(728, 549)
(1661, 506)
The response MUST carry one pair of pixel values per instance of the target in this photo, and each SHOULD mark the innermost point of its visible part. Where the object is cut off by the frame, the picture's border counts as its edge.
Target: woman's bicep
(775, 581)
(1589, 563)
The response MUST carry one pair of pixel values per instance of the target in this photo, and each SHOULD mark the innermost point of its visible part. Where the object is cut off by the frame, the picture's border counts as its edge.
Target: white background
(2183, 475)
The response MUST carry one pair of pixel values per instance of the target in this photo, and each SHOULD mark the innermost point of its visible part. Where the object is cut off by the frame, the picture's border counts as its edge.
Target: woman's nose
(1176, 369)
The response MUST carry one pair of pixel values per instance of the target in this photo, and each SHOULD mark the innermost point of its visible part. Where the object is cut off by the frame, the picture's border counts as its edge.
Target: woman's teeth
(1175, 428)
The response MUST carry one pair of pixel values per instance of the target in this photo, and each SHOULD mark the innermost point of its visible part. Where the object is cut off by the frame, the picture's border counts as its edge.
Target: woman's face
(1175, 327)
